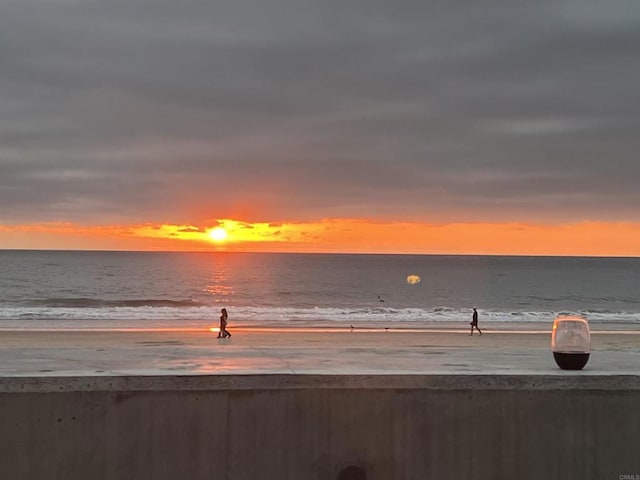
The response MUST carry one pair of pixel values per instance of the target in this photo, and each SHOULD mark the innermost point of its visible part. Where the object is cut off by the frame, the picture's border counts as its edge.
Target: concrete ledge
(574, 381)
(317, 427)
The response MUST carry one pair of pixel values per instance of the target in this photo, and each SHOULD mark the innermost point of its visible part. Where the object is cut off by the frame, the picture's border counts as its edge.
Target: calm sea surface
(55, 289)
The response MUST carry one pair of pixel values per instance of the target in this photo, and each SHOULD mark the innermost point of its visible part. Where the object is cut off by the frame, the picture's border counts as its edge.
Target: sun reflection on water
(219, 285)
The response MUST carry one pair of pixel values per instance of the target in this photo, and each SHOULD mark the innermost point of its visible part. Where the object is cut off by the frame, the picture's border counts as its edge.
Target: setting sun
(218, 234)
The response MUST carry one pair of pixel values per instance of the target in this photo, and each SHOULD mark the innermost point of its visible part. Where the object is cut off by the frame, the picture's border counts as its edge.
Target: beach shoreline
(301, 351)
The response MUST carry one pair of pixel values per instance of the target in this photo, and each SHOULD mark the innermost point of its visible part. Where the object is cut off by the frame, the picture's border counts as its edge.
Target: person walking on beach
(223, 333)
(474, 322)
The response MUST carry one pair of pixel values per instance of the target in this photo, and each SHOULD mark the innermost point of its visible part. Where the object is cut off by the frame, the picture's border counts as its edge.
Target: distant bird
(352, 328)
(380, 299)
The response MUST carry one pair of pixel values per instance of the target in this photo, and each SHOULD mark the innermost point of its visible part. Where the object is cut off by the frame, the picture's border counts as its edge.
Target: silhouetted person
(223, 324)
(474, 322)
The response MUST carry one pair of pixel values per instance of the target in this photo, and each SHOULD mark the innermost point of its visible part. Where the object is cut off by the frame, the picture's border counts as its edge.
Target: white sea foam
(201, 317)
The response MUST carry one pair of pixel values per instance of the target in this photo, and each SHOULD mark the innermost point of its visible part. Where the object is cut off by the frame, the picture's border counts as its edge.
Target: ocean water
(120, 290)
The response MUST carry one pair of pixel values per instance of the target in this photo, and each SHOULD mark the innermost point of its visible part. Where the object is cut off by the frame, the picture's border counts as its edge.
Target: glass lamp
(571, 342)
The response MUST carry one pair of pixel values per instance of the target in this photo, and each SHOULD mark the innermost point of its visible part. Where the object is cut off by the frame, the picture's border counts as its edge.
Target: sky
(491, 127)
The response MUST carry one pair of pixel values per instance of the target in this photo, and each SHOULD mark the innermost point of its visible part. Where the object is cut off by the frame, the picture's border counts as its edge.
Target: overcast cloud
(181, 111)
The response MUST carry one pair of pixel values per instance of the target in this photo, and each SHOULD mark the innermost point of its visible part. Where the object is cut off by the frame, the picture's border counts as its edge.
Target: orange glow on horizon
(337, 236)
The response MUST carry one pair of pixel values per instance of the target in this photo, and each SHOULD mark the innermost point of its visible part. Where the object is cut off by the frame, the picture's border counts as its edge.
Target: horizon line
(279, 252)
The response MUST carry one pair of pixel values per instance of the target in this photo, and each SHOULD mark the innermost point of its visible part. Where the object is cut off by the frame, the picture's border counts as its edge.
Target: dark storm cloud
(139, 110)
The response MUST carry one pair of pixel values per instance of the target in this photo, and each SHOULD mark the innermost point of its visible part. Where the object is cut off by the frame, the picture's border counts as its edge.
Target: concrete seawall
(276, 427)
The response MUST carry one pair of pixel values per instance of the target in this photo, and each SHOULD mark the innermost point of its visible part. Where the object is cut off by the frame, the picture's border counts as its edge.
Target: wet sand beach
(303, 351)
